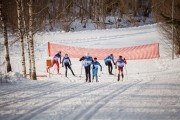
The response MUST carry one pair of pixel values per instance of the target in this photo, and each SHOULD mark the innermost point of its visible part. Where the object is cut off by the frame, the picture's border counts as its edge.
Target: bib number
(120, 64)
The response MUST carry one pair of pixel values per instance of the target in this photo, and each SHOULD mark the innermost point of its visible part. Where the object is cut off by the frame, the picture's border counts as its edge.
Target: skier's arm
(69, 61)
(91, 66)
(116, 65)
(113, 60)
(60, 59)
(125, 61)
(62, 62)
(106, 58)
(81, 58)
(105, 61)
(100, 66)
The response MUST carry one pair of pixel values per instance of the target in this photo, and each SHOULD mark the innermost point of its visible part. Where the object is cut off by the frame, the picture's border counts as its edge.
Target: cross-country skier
(108, 63)
(95, 65)
(87, 60)
(55, 61)
(67, 63)
(120, 64)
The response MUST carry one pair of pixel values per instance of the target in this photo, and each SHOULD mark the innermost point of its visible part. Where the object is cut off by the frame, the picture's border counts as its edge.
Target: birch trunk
(27, 38)
(3, 23)
(33, 75)
(20, 33)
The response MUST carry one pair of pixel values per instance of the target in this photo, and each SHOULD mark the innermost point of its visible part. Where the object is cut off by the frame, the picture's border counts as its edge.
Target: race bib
(87, 62)
(120, 64)
(108, 59)
(96, 66)
(55, 59)
(66, 61)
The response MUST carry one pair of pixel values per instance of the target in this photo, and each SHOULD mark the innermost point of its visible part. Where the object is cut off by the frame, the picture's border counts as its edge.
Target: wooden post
(48, 65)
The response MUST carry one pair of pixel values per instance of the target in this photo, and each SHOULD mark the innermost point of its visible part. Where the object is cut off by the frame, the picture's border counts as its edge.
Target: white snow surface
(149, 91)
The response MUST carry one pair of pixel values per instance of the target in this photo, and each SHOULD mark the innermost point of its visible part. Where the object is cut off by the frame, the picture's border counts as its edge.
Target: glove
(124, 59)
(101, 69)
(105, 63)
(62, 65)
(116, 67)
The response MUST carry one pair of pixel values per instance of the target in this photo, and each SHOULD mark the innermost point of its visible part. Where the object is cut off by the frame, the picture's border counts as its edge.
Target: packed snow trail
(149, 92)
(153, 98)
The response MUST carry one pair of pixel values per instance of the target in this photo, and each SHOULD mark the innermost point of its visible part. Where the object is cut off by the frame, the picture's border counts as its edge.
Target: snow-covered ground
(150, 90)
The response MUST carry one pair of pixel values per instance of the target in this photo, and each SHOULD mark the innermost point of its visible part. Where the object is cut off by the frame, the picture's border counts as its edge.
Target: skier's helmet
(111, 55)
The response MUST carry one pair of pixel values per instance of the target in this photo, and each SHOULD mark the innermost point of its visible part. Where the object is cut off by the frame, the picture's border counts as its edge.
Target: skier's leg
(122, 73)
(71, 69)
(86, 72)
(66, 70)
(57, 67)
(96, 76)
(118, 73)
(108, 63)
(93, 74)
(89, 72)
(111, 67)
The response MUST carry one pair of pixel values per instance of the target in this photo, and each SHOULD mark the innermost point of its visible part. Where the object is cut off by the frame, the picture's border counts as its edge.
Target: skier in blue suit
(108, 63)
(87, 60)
(67, 62)
(95, 65)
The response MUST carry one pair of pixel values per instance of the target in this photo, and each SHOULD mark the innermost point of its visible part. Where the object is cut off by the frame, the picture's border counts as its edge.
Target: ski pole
(115, 72)
(101, 74)
(126, 72)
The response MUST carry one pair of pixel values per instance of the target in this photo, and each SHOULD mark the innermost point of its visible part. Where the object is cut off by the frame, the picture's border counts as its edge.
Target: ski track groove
(93, 108)
(89, 113)
(31, 113)
(25, 88)
(39, 95)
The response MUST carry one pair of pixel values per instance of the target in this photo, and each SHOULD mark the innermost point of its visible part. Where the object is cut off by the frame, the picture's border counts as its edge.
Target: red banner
(148, 51)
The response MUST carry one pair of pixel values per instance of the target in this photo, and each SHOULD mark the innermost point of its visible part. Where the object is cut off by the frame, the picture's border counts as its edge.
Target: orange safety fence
(148, 51)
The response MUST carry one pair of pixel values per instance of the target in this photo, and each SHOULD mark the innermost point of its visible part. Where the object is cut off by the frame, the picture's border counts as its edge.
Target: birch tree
(4, 27)
(20, 34)
(25, 27)
(33, 75)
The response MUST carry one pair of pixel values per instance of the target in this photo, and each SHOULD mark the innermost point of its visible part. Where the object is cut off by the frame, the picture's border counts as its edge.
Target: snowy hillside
(150, 90)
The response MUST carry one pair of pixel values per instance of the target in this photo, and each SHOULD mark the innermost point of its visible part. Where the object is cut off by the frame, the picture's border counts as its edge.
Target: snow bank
(11, 77)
